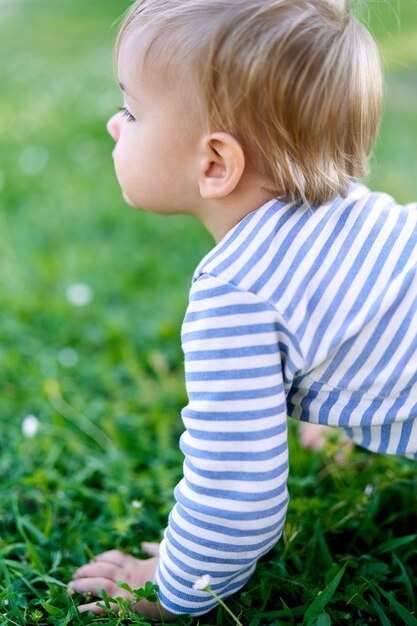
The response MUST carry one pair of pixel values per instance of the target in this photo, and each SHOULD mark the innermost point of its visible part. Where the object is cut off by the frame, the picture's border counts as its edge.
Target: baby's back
(343, 279)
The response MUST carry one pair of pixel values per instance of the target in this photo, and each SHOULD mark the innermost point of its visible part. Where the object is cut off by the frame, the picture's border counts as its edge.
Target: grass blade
(405, 615)
(393, 544)
(381, 613)
(320, 602)
(406, 579)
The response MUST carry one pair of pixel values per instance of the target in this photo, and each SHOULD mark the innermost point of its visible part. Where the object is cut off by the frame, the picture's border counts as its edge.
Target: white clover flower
(201, 584)
(30, 426)
(79, 294)
(369, 490)
(67, 357)
(136, 504)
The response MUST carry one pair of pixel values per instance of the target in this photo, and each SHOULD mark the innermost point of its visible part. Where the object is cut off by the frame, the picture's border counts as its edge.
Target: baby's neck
(221, 215)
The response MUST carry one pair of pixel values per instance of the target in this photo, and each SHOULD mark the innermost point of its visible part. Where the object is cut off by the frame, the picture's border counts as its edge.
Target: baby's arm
(232, 501)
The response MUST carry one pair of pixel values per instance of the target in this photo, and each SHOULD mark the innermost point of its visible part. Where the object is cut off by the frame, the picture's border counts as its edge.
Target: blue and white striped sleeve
(231, 503)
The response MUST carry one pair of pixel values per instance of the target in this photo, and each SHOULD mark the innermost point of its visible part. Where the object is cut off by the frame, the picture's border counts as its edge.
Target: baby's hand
(112, 567)
(316, 436)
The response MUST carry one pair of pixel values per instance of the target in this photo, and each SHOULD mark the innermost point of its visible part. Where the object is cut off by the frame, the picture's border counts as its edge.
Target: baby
(257, 117)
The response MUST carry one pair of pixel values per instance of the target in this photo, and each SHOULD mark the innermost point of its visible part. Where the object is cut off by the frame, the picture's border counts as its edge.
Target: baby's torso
(344, 279)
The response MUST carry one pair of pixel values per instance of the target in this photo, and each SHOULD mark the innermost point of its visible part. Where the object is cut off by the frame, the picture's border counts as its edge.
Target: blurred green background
(92, 292)
(63, 222)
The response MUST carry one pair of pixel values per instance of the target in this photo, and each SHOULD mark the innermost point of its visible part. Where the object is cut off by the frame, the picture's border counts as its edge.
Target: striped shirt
(308, 313)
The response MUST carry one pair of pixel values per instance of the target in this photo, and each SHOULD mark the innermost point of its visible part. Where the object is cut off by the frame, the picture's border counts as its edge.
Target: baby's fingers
(99, 569)
(97, 610)
(116, 557)
(151, 548)
(94, 586)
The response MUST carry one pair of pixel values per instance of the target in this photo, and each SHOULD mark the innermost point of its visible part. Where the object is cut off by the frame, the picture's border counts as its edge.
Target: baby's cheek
(122, 169)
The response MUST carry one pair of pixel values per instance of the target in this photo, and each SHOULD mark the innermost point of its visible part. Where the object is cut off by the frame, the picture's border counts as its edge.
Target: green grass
(109, 423)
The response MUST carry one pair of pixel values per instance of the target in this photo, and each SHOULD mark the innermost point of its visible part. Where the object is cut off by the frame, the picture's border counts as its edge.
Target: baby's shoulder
(280, 250)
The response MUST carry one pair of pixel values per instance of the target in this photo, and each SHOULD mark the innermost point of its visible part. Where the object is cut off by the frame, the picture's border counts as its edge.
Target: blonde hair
(297, 82)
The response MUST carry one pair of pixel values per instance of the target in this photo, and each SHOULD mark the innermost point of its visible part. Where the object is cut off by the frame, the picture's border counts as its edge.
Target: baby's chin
(140, 207)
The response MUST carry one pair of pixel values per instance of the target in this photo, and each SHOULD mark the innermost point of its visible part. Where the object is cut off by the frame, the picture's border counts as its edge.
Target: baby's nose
(113, 127)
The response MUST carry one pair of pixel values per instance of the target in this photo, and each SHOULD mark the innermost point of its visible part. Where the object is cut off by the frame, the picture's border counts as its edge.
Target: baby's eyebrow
(126, 91)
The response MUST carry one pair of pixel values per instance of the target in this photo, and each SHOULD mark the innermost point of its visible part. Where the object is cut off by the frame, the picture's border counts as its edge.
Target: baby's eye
(127, 114)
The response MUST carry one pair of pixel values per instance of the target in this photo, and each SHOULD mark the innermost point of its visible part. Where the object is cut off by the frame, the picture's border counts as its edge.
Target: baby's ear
(222, 163)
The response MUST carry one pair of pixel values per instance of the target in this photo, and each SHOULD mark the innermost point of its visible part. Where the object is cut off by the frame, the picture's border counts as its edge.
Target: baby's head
(296, 83)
